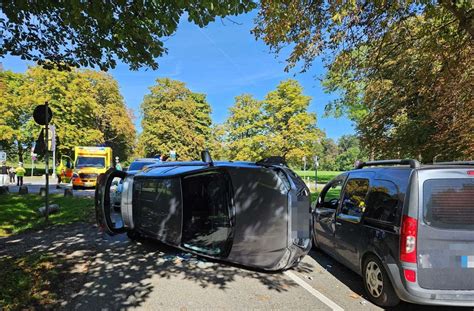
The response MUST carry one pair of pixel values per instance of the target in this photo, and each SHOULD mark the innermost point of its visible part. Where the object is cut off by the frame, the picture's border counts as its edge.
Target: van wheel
(377, 283)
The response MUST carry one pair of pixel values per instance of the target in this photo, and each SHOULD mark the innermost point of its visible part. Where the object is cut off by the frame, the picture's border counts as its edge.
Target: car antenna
(206, 157)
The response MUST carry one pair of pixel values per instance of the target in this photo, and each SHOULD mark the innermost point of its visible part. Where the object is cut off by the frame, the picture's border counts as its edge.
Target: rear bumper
(412, 292)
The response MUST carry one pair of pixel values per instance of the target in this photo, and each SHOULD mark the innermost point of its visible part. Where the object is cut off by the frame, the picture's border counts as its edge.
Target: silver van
(407, 229)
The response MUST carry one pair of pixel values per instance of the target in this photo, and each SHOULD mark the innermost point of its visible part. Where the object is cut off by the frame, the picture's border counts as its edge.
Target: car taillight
(470, 173)
(408, 237)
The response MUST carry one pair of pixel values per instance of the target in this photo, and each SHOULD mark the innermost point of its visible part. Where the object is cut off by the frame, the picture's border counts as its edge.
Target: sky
(222, 60)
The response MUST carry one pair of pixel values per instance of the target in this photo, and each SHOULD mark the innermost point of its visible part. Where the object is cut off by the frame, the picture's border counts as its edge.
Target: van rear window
(449, 203)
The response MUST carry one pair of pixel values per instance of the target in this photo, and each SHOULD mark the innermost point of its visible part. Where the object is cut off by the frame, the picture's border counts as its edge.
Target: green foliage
(247, 130)
(280, 125)
(403, 70)
(174, 118)
(218, 142)
(87, 110)
(418, 94)
(19, 212)
(77, 33)
(312, 28)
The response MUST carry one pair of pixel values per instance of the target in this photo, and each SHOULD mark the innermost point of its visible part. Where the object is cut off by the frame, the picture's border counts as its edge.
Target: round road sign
(40, 114)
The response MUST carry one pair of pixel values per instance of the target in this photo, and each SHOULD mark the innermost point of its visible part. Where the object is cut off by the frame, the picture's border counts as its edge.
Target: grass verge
(27, 282)
(19, 212)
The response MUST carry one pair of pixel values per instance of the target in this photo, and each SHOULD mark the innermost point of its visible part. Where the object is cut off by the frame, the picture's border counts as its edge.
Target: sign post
(43, 116)
(316, 164)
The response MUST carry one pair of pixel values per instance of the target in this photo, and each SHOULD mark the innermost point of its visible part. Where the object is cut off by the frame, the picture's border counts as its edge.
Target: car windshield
(135, 166)
(90, 162)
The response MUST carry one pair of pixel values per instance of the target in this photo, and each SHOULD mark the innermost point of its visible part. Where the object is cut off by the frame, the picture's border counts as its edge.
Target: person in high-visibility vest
(20, 172)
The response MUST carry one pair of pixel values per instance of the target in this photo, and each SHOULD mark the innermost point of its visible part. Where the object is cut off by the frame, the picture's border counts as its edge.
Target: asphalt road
(36, 182)
(150, 276)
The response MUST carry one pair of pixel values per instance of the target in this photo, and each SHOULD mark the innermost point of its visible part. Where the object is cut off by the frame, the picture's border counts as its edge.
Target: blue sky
(222, 60)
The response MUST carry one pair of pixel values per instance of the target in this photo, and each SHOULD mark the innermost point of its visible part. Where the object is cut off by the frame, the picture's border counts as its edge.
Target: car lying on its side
(409, 231)
(252, 214)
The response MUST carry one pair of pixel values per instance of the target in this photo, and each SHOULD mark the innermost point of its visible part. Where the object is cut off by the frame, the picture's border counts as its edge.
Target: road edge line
(328, 302)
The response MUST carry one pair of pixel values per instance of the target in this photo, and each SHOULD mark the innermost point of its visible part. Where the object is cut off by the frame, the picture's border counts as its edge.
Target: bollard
(23, 190)
(53, 208)
(42, 191)
(68, 192)
(4, 190)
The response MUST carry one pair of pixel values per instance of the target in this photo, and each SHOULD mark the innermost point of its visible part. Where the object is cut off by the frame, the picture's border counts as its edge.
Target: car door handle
(338, 223)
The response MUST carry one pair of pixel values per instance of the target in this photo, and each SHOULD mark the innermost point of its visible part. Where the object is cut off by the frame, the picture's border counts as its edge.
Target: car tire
(377, 284)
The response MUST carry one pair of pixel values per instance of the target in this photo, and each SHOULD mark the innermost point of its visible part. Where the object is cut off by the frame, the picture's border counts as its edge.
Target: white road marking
(328, 302)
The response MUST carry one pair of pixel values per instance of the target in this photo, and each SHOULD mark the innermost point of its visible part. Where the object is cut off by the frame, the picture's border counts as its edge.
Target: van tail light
(410, 275)
(408, 239)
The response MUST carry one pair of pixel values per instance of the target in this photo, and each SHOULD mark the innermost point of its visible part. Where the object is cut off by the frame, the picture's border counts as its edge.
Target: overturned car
(252, 214)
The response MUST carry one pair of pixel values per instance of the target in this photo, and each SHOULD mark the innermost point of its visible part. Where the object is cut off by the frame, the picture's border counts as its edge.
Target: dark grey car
(409, 231)
(253, 214)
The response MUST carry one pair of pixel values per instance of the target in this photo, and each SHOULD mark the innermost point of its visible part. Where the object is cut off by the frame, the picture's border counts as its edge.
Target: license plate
(467, 261)
(88, 184)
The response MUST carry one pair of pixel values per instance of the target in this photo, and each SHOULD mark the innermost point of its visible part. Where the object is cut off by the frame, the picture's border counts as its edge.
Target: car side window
(382, 202)
(353, 199)
(330, 197)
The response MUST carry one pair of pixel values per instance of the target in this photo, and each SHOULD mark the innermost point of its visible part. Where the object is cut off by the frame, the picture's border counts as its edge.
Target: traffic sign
(39, 115)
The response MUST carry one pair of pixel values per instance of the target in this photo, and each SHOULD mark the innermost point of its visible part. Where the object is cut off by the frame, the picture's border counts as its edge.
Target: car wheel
(377, 283)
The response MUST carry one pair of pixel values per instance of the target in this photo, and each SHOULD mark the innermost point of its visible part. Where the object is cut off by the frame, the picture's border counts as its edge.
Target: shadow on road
(355, 282)
(104, 272)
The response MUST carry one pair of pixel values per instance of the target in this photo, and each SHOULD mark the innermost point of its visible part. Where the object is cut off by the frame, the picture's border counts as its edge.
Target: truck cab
(89, 162)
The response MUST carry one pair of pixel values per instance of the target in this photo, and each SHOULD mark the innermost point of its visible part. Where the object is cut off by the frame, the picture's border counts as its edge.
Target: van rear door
(446, 229)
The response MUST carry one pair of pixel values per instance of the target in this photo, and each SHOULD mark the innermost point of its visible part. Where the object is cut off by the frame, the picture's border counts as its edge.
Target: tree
(217, 145)
(328, 155)
(14, 112)
(315, 27)
(349, 151)
(112, 116)
(291, 131)
(402, 70)
(87, 110)
(81, 33)
(174, 118)
(246, 127)
(417, 98)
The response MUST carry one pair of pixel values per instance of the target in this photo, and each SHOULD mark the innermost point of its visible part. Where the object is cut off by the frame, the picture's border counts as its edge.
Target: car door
(349, 229)
(108, 220)
(325, 212)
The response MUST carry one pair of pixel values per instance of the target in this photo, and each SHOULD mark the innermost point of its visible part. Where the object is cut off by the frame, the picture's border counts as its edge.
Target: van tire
(373, 270)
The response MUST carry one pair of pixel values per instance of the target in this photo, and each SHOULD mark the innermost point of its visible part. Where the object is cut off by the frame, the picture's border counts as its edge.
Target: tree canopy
(280, 125)
(96, 33)
(174, 118)
(87, 110)
(403, 71)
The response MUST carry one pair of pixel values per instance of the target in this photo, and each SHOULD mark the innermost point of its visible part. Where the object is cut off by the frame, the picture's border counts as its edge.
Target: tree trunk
(465, 17)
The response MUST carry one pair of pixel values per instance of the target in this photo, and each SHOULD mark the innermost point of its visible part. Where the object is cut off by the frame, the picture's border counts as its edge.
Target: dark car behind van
(408, 230)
